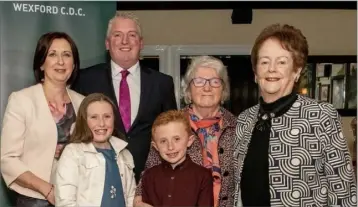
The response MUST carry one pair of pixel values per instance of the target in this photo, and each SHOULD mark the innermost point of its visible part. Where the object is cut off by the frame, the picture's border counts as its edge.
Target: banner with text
(22, 24)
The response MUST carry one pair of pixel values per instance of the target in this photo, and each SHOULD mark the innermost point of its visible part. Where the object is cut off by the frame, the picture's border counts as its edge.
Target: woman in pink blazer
(37, 122)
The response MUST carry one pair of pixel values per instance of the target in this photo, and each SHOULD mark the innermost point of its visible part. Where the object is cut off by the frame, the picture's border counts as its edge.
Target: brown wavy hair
(82, 133)
(291, 39)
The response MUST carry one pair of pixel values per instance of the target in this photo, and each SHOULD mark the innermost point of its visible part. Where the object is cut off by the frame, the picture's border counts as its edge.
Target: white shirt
(133, 80)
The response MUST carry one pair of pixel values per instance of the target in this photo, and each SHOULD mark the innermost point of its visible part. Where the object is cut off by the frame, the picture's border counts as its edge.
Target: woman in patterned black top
(290, 149)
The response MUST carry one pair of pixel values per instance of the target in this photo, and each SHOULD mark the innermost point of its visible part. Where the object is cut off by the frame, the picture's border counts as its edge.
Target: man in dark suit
(140, 93)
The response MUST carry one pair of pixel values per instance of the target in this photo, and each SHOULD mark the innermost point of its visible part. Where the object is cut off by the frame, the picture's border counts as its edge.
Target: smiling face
(172, 140)
(124, 42)
(100, 120)
(58, 65)
(206, 96)
(275, 72)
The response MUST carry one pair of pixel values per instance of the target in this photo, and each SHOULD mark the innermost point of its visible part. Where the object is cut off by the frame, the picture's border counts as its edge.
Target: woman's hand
(59, 148)
(51, 196)
(142, 204)
(31, 181)
(139, 203)
(48, 191)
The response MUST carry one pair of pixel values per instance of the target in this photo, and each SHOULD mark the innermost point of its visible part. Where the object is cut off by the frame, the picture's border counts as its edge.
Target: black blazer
(157, 95)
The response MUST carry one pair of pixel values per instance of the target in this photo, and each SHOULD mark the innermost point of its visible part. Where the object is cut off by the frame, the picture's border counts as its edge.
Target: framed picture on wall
(324, 92)
(320, 70)
(338, 69)
(338, 91)
(352, 86)
(352, 68)
(340, 73)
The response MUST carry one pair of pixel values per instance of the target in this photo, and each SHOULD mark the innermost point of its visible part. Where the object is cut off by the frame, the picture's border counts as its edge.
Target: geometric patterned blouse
(309, 161)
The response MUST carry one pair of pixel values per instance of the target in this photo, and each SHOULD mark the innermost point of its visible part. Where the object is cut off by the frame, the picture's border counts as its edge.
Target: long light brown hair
(81, 132)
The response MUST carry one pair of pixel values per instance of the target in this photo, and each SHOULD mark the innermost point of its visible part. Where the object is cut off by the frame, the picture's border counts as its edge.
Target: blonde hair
(125, 15)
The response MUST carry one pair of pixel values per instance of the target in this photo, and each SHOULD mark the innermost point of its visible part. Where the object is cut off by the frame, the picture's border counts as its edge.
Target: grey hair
(125, 15)
(208, 62)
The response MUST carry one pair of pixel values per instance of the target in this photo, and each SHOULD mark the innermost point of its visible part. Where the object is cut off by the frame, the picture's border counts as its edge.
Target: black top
(255, 188)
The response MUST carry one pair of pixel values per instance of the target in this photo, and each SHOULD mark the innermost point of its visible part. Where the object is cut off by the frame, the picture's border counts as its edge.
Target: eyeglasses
(214, 82)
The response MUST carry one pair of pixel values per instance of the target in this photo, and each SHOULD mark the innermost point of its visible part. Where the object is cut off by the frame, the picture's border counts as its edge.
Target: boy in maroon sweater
(177, 181)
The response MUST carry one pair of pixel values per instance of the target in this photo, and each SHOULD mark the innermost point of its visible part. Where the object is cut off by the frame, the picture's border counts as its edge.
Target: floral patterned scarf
(209, 131)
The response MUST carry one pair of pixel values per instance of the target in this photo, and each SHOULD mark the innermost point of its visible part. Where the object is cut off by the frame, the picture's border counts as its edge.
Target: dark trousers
(25, 201)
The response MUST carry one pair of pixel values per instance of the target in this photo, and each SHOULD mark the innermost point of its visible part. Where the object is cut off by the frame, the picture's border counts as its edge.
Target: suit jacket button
(226, 173)
(221, 150)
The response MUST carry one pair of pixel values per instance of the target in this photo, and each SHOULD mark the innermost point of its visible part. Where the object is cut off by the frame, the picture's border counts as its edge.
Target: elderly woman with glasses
(205, 87)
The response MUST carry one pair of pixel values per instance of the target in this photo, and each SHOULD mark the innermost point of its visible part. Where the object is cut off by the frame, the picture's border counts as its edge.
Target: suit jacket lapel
(145, 87)
(111, 93)
(46, 120)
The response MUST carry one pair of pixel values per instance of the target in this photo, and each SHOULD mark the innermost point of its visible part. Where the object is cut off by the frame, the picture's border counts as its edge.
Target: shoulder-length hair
(41, 51)
(82, 133)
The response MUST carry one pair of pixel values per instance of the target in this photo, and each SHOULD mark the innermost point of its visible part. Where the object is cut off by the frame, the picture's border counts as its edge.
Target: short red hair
(172, 116)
